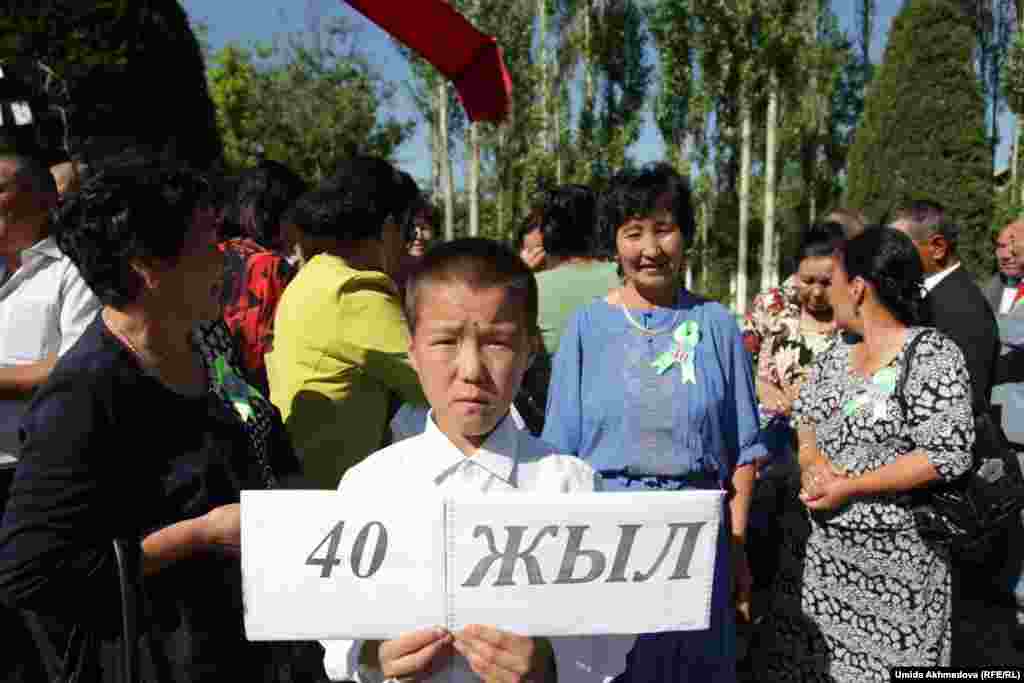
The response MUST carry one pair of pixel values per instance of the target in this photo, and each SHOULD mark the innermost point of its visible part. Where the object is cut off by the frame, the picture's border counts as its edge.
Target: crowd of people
(173, 337)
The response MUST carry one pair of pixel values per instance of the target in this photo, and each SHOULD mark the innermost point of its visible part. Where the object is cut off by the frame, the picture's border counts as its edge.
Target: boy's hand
(502, 657)
(414, 655)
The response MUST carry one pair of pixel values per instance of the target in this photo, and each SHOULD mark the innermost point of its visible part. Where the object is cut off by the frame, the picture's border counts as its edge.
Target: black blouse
(109, 451)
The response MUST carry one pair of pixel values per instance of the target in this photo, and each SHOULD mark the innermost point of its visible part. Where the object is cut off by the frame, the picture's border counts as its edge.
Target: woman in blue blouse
(653, 386)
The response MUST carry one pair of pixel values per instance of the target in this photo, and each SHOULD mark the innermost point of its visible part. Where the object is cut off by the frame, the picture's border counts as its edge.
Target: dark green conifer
(922, 135)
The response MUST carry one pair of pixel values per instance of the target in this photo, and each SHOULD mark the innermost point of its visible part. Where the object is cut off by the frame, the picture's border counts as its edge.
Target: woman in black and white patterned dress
(863, 593)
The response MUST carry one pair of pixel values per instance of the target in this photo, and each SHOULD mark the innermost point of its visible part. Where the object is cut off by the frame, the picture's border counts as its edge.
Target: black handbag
(967, 515)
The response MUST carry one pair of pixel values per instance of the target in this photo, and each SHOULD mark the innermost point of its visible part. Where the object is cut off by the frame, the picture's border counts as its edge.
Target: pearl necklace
(644, 330)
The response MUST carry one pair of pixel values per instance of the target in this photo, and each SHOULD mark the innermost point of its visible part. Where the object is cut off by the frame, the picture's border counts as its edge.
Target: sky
(247, 21)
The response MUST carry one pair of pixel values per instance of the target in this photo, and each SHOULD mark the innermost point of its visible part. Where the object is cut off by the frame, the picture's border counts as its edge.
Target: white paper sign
(326, 565)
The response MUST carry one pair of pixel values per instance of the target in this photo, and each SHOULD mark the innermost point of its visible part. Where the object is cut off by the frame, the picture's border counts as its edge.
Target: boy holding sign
(472, 310)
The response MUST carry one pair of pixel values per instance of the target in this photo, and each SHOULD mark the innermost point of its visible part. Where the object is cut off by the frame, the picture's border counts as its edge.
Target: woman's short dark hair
(567, 221)
(128, 210)
(261, 196)
(820, 239)
(633, 193)
(888, 260)
(371, 191)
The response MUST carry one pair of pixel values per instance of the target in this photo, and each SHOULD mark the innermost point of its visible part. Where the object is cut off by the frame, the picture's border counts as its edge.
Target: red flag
(443, 37)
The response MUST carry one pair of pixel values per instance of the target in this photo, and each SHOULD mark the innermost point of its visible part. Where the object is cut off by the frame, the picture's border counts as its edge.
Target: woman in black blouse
(145, 431)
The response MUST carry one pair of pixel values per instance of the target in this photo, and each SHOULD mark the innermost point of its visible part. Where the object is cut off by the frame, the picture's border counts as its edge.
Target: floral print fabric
(771, 332)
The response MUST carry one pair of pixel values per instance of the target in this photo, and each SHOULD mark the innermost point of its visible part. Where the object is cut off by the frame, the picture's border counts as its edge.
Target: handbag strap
(129, 569)
(908, 356)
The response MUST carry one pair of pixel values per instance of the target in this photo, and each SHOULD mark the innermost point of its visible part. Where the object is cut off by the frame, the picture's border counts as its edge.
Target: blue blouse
(609, 405)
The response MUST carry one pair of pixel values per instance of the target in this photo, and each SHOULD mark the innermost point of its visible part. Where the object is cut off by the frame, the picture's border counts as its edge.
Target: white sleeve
(78, 307)
(341, 662)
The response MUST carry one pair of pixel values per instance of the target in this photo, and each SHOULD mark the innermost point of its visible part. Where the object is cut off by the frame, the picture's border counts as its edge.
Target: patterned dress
(863, 593)
(781, 350)
(254, 279)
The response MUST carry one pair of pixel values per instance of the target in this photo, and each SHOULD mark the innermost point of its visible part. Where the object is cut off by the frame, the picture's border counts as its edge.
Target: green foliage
(307, 103)
(1013, 74)
(672, 25)
(620, 41)
(134, 70)
(923, 132)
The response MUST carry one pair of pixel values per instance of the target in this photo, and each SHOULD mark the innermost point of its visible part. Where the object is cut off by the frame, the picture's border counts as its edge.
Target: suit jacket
(958, 308)
(1010, 365)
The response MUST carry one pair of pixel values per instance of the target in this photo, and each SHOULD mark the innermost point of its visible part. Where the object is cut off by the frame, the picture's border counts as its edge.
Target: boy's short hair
(478, 262)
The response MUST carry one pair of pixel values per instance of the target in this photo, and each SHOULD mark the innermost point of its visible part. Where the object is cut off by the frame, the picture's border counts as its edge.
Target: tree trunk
(557, 127)
(768, 265)
(1015, 158)
(705, 250)
(746, 143)
(499, 166)
(816, 113)
(588, 57)
(448, 187)
(436, 192)
(776, 250)
(545, 73)
(474, 179)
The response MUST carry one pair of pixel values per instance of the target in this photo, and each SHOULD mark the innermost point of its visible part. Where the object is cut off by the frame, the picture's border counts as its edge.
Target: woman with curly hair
(145, 432)
(864, 592)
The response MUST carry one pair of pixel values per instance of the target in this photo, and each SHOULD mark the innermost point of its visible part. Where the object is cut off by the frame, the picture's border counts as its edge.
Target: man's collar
(932, 281)
(497, 455)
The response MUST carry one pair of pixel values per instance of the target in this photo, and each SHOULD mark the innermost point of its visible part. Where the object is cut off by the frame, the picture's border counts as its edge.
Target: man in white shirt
(44, 303)
(472, 310)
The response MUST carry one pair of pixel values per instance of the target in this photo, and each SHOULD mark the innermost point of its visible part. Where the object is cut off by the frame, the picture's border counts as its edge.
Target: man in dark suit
(956, 305)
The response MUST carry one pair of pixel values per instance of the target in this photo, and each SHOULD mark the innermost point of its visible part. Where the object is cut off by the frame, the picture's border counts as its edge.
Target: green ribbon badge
(686, 337)
(883, 385)
(238, 391)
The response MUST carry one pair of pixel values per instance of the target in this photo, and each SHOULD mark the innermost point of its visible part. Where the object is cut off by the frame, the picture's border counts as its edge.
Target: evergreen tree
(923, 133)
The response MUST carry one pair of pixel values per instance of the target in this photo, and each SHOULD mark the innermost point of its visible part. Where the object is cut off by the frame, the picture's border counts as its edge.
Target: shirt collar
(45, 247)
(497, 455)
(933, 280)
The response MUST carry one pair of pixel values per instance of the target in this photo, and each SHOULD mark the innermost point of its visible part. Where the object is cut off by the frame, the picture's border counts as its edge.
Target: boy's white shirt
(411, 419)
(509, 459)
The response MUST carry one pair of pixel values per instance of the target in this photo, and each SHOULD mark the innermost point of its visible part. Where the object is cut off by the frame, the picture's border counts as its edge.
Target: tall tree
(994, 22)
(867, 13)
(308, 101)
(923, 131)
(1013, 90)
(671, 25)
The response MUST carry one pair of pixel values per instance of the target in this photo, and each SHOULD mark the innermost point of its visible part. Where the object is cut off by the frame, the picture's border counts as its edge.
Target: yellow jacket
(340, 355)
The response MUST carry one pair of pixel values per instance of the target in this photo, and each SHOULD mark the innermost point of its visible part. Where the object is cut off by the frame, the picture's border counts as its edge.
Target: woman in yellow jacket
(340, 355)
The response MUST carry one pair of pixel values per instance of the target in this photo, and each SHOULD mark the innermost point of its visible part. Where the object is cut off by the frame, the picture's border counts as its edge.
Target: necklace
(645, 331)
(123, 338)
(148, 367)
